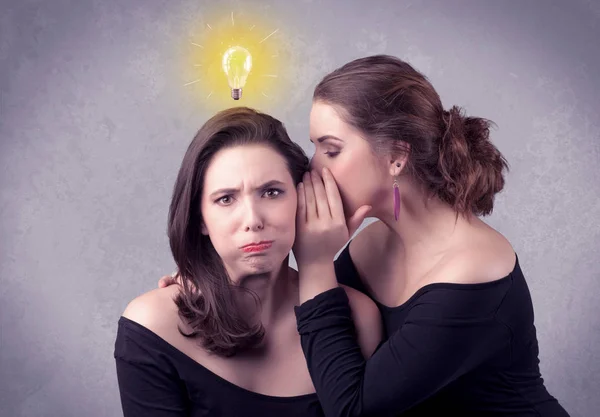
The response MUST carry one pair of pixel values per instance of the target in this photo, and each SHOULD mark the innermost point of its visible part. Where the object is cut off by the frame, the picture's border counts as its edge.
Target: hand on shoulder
(167, 280)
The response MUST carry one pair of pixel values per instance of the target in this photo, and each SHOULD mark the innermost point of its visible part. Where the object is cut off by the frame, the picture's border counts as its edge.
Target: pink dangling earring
(396, 200)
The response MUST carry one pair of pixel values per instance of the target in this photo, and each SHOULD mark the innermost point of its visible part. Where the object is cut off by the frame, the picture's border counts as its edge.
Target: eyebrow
(234, 190)
(325, 137)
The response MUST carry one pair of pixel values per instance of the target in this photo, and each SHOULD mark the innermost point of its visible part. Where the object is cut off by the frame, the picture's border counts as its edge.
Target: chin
(261, 264)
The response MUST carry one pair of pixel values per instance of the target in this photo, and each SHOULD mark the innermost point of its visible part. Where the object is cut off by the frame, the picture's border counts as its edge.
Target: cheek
(355, 183)
(288, 213)
(285, 219)
(218, 226)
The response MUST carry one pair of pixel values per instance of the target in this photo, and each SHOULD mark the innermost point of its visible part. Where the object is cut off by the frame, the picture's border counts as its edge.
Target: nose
(253, 219)
(314, 165)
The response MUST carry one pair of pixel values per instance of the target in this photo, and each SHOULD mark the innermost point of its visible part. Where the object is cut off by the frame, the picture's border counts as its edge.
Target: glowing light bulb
(237, 63)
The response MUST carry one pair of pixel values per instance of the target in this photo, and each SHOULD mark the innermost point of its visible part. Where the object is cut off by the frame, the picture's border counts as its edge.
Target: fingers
(333, 195)
(301, 210)
(167, 280)
(309, 194)
(320, 196)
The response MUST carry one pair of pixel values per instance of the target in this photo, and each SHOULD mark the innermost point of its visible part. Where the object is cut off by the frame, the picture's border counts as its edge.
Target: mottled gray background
(95, 120)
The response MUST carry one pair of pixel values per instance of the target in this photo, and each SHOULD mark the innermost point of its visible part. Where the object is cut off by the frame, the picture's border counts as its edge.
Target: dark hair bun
(471, 166)
(399, 111)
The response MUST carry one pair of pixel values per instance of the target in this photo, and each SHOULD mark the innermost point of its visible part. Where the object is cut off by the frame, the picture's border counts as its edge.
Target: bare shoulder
(155, 310)
(487, 258)
(367, 320)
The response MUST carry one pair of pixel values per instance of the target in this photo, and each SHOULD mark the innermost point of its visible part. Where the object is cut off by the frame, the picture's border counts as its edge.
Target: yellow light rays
(269, 35)
(203, 65)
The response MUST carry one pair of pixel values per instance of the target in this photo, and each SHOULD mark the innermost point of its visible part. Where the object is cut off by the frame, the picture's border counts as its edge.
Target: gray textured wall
(95, 119)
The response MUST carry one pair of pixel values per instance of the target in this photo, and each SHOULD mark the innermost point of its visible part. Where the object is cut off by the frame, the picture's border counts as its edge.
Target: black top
(158, 380)
(453, 349)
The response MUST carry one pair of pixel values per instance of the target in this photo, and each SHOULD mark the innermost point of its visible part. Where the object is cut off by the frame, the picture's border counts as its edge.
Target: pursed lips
(257, 246)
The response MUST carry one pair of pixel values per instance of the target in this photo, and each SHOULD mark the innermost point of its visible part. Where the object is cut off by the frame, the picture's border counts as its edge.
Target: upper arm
(149, 384)
(428, 353)
(367, 320)
(445, 335)
(148, 389)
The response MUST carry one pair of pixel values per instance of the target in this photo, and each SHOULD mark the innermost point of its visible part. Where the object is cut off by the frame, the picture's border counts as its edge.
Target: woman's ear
(398, 159)
(397, 164)
(203, 229)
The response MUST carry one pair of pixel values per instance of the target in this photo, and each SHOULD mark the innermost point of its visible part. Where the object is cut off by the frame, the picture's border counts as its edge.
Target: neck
(426, 225)
(277, 291)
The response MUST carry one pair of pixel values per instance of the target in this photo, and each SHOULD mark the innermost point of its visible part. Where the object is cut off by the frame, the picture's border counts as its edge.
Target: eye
(224, 201)
(272, 193)
(332, 154)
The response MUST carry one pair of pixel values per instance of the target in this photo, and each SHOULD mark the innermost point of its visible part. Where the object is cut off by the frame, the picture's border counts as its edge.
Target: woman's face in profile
(361, 176)
(249, 208)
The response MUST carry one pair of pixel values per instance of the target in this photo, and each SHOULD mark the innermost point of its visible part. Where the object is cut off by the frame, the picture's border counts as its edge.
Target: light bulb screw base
(236, 93)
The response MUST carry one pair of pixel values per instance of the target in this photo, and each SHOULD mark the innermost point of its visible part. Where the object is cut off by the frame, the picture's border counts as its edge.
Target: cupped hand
(321, 227)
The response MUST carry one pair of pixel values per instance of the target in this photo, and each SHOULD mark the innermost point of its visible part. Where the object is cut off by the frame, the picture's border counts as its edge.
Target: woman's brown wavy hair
(399, 111)
(206, 302)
